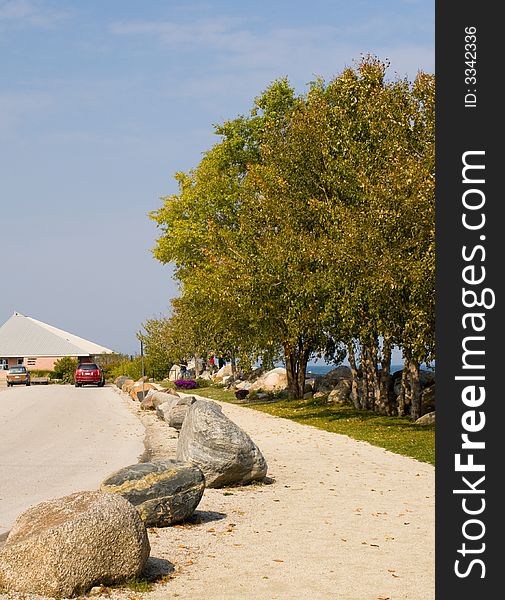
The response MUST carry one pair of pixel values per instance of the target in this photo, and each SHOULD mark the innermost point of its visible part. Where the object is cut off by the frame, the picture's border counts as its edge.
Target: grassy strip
(396, 434)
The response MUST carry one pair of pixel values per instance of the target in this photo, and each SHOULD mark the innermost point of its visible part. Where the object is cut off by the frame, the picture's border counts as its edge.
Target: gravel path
(337, 519)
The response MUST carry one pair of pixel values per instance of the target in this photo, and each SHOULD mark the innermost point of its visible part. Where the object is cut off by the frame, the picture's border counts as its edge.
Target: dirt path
(340, 520)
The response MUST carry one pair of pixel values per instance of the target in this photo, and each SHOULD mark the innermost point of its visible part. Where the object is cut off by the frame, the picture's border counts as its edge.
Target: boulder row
(174, 411)
(63, 547)
(163, 492)
(222, 450)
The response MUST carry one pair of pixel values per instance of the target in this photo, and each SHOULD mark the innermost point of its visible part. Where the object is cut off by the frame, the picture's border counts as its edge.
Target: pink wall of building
(39, 363)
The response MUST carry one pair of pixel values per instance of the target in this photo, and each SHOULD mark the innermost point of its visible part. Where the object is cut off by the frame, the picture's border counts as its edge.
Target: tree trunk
(385, 380)
(404, 391)
(404, 396)
(296, 365)
(354, 375)
(197, 370)
(370, 375)
(363, 398)
(233, 362)
(415, 390)
(374, 374)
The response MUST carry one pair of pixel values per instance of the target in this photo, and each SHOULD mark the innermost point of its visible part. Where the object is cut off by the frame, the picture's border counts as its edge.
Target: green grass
(137, 584)
(396, 434)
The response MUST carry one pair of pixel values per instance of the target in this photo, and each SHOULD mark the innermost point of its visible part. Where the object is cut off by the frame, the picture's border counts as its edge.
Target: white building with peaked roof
(37, 345)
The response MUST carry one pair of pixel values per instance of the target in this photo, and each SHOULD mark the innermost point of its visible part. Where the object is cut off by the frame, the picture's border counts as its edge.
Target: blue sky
(102, 101)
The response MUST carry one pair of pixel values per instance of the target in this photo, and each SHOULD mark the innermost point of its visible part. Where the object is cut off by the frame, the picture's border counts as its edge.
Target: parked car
(89, 373)
(18, 375)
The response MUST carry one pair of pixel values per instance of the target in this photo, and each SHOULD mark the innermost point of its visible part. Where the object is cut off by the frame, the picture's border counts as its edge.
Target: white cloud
(205, 32)
(28, 13)
(313, 50)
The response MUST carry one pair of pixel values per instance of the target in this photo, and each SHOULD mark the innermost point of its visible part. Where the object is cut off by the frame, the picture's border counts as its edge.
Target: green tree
(159, 356)
(310, 225)
(202, 236)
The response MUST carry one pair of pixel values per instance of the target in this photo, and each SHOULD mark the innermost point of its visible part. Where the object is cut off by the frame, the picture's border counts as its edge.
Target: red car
(89, 373)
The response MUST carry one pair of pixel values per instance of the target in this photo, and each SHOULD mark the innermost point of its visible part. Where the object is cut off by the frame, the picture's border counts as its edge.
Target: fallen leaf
(277, 560)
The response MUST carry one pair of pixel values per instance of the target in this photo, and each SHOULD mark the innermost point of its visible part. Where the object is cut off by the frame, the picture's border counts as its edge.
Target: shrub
(42, 373)
(64, 369)
(203, 383)
(130, 368)
(185, 384)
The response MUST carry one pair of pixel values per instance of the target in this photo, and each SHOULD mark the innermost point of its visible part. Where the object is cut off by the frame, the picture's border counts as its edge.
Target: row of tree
(308, 230)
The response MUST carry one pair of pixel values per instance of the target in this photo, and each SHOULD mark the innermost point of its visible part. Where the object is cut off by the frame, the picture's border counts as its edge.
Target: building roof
(23, 336)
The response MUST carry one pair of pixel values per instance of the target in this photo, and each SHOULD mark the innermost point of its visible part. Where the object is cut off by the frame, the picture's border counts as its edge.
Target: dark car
(89, 373)
(18, 375)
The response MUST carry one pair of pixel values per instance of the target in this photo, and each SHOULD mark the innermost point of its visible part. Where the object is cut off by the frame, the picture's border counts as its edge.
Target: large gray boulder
(341, 393)
(428, 399)
(63, 547)
(160, 397)
(426, 379)
(155, 398)
(162, 410)
(330, 380)
(163, 492)
(120, 380)
(427, 419)
(174, 411)
(272, 381)
(222, 450)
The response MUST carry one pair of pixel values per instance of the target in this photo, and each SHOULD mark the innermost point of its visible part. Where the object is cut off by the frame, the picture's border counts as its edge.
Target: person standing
(184, 368)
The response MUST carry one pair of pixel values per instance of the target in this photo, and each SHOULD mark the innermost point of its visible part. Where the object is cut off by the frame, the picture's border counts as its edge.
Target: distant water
(320, 369)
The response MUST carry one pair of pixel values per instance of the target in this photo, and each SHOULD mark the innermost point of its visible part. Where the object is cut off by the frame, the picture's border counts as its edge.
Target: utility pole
(143, 369)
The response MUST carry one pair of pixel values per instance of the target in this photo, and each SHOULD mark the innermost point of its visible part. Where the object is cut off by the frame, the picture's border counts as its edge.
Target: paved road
(56, 439)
